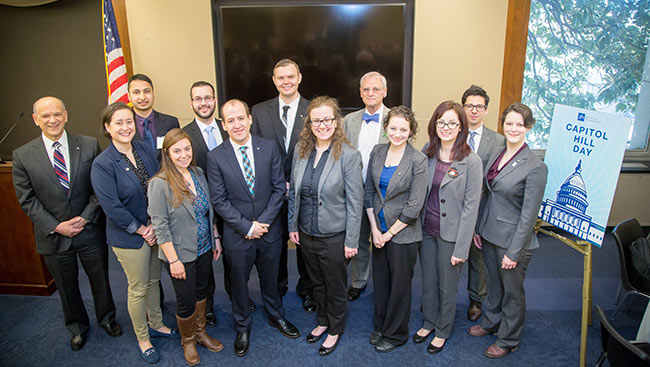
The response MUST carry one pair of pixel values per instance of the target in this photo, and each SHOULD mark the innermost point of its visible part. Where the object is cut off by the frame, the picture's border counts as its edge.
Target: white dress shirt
(251, 157)
(477, 137)
(216, 132)
(369, 135)
(65, 150)
(291, 118)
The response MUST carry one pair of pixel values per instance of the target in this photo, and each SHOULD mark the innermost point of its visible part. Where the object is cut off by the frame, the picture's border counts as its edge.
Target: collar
(63, 140)
(478, 131)
(248, 144)
(203, 126)
(140, 120)
(293, 104)
(380, 111)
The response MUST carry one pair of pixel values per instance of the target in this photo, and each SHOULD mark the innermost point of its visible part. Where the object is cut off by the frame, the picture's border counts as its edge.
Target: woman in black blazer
(325, 208)
(451, 208)
(182, 218)
(119, 177)
(396, 185)
(515, 179)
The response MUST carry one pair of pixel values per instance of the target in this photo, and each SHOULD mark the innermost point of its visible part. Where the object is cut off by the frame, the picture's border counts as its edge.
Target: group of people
(350, 192)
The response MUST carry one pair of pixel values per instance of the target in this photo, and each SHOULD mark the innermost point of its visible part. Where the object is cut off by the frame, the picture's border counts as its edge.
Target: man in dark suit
(51, 176)
(483, 142)
(247, 189)
(206, 134)
(364, 131)
(151, 125)
(281, 119)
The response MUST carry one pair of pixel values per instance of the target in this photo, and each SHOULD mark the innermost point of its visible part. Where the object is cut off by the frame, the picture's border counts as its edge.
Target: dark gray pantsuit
(325, 261)
(439, 285)
(505, 309)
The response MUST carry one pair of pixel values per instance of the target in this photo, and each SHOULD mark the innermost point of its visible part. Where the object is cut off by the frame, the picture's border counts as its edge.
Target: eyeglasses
(479, 107)
(200, 99)
(450, 124)
(327, 121)
(367, 90)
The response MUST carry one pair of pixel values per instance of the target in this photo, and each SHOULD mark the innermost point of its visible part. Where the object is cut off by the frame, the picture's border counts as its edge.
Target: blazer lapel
(278, 126)
(326, 170)
(41, 156)
(74, 151)
(402, 168)
(123, 166)
(197, 136)
(377, 167)
(298, 123)
(460, 168)
(234, 166)
(514, 163)
(355, 128)
(299, 170)
(433, 162)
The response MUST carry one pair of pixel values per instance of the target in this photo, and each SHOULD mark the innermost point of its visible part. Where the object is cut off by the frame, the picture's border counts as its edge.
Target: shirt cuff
(250, 231)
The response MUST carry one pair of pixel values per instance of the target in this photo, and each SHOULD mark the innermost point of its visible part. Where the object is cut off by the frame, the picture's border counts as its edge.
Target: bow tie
(367, 118)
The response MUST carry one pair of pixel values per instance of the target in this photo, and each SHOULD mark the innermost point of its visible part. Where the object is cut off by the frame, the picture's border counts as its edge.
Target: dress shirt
(139, 124)
(291, 118)
(65, 150)
(309, 199)
(251, 157)
(477, 137)
(369, 135)
(215, 132)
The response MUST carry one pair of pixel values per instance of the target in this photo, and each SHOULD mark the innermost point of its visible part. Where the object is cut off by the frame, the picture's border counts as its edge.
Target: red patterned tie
(60, 168)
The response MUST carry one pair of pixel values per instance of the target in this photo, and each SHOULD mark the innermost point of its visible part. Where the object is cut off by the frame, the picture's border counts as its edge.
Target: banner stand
(583, 247)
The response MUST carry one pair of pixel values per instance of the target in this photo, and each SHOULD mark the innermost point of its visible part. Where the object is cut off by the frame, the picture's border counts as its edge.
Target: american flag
(114, 58)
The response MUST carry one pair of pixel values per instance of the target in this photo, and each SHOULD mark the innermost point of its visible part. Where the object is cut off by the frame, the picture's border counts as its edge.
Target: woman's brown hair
(460, 150)
(168, 170)
(307, 140)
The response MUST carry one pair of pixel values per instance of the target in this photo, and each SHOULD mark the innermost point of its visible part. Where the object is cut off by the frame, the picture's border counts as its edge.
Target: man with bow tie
(364, 131)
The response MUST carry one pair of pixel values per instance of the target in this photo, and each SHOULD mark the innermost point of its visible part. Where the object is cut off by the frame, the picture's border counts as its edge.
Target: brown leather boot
(187, 329)
(202, 336)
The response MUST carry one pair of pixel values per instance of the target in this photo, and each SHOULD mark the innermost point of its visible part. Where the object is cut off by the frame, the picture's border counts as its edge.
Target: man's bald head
(50, 116)
(49, 99)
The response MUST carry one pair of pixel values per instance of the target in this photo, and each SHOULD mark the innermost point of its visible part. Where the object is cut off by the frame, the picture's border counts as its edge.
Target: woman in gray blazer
(515, 179)
(396, 186)
(182, 218)
(325, 208)
(451, 208)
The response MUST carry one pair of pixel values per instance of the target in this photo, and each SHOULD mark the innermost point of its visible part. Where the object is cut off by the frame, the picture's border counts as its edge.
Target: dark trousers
(265, 256)
(304, 287)
(505, 309)
(65, 271)
(325, 260)
(392, 268)
(194, 287)
(476, 274)
(439, 285)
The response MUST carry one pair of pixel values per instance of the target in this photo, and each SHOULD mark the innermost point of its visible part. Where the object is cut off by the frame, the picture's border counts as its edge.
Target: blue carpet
(33, 333)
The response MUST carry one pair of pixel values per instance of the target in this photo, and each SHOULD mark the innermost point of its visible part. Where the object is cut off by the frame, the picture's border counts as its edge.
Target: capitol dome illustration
(569, 209)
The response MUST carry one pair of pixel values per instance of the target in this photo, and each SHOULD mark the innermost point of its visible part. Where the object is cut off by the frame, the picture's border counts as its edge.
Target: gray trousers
(476, 275)
(439, 285)
(360, 263)
(505, 309)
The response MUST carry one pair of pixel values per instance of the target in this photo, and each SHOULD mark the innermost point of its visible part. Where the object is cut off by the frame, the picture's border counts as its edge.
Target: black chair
(632, 282)
(617, 350)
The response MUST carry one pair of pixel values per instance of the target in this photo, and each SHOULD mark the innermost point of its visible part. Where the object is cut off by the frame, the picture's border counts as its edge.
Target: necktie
(60, 168)
(248, 171)
(212, 142)
(285, 111)
(147, 136)
(367, 118)
(472, 143)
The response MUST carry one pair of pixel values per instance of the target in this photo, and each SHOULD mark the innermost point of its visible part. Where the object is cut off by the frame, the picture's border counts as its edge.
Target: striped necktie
(248, 171)
(60, 168)
(472, 143)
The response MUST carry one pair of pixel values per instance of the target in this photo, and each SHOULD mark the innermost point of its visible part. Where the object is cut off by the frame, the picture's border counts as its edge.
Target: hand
(258, 230)
(177, 270)
(217, 249)
(377, 238)
(81, 222)
(455, 261)
(507, 264)
(70, 227)
(349, 252)
(294, 237)
(386, 236)
(147, 233)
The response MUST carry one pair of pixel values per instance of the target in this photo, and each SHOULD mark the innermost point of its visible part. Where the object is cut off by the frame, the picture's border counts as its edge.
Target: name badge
(159, 141)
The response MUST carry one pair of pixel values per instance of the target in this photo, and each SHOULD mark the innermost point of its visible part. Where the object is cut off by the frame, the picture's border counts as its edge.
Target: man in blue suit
(247, 190)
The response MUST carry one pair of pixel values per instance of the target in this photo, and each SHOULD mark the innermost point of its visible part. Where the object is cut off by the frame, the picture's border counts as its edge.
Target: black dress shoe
(354, 293)
(241, 343)
(78, 341)
(286, 328)
(311, 338)
(210, 318)
(433, 349)
(384, 346)
(375, 337)
(308, 303)
(113, 329)
(323, 351)
(417, 338)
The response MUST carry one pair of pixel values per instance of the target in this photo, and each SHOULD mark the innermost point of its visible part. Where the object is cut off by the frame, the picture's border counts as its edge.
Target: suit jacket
(405, 194)
(44, 200)
(267, 124)
(233, 202)
(490, 141)
(176, 225)
(352, 125)
(199, 147)
(513, 203)
(120, 194)
(340, 190)
(164, 123)
(459, 201)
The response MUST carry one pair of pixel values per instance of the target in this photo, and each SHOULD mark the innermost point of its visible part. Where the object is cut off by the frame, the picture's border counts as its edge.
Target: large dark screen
(333, 44)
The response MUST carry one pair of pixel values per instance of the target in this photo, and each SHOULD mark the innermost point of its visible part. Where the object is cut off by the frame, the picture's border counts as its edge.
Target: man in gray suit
(51, 176)
(364, 131)
(483, 142)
